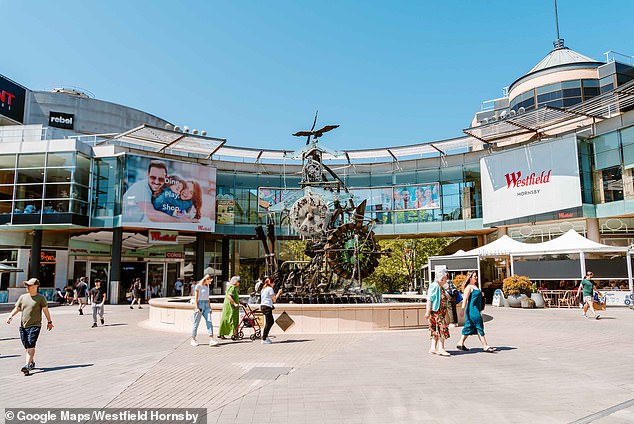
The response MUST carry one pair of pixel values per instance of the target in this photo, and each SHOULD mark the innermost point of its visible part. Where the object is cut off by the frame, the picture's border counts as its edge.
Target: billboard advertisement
(417, 197)
(12, 99)
(226, 206)
(171, 195)
(539, 178)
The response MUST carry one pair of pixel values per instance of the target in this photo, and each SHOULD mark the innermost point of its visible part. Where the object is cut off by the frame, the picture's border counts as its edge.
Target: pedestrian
(472, 305)
(587, 288)
(267, 298)
(81, 292)
(32, 305)
(230, 312)
(97, 300)
(70, 294)
(435, 313)
(178, 287)
(202, 308)
(452, 299)
(137, 290)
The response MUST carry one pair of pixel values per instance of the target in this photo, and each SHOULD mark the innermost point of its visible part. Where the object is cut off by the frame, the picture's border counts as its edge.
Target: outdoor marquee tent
(547, 260)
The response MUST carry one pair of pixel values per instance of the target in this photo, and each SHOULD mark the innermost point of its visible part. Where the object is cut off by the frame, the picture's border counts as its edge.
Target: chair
(565, 300)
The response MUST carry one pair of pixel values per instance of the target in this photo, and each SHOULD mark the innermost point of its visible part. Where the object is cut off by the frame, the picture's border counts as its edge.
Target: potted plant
(537, 297)
(516, 287)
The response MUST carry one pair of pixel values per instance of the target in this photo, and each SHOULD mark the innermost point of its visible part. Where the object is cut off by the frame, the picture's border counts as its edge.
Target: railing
(612, 56)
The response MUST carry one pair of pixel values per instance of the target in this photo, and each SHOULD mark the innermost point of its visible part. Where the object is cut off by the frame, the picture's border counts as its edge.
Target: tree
(398, 269)
(293, 250)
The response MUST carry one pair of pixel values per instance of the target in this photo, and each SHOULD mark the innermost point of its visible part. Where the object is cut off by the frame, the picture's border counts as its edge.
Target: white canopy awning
(569, 242)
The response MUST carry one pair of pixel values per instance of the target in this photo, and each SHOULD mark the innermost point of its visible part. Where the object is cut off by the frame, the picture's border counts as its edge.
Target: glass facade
(561, 94)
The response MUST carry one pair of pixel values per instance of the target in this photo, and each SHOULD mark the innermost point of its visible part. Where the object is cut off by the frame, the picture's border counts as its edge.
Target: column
(36, 252)
(224, 261)
(502, 231)
(593, 232)
(199, 264)
(115, 266)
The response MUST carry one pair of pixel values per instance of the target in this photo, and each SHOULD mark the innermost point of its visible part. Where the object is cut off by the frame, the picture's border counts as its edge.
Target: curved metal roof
(561, 56)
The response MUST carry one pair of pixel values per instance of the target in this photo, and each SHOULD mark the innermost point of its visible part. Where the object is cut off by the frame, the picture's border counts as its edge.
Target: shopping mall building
(92, 188)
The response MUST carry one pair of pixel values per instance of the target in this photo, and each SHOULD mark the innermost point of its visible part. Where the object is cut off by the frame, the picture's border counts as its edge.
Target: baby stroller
(247, 320)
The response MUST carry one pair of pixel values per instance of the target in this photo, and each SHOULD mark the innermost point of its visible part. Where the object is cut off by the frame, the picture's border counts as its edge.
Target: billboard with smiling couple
(160, 193)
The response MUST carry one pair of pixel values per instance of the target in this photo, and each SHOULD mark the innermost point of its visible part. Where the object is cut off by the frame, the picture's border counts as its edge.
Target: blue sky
(390, 73)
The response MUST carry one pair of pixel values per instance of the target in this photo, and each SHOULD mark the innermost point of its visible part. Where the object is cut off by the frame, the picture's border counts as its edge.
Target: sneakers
(140, 307)
(443, 353)
(267, 341)
(25, 369)
(131, 307)
(102, 321)
(597, 317)
(94, 325)
(462, 347)
(452, 325)
(213, 342)
(31, 365)
(585, 316)
(193, 342)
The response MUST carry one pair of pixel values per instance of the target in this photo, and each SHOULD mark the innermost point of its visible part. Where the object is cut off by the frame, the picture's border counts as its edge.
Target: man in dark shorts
(31, 304)
(81, 292)
(97, 300)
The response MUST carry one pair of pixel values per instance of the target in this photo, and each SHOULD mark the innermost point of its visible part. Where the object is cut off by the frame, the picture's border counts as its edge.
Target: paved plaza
(552, 366)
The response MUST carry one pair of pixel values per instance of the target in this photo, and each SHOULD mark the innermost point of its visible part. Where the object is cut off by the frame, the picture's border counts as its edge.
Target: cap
(32, 282)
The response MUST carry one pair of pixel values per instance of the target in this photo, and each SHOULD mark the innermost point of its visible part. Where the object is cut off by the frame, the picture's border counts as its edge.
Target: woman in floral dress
(436, 312)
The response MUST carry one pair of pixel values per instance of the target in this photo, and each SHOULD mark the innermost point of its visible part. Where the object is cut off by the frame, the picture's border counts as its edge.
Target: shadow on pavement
(295, 341)
(4, 339)
(479, 350)
(112, 325)
(9, 356)
(60, 368)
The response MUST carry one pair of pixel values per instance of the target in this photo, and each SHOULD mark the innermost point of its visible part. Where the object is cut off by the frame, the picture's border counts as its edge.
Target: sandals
(489, 349)
(462, 347)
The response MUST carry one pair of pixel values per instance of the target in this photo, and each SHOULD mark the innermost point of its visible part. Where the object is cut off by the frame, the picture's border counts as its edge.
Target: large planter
(539, 300)
(515, 300)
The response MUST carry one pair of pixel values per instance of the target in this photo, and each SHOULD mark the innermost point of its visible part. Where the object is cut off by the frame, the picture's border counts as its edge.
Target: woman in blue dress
(472, 305)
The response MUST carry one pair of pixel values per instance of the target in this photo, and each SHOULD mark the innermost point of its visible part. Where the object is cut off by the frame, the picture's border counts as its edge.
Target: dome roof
(561, 56)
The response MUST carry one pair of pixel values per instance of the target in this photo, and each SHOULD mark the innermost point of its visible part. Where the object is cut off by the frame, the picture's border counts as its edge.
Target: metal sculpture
(341, 244)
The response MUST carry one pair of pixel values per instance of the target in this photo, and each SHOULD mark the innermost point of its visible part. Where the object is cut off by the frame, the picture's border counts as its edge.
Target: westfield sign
(162, 237)
(514, 179)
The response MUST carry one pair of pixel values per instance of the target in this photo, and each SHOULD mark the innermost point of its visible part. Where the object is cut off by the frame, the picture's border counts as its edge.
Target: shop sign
(61, 120)
(12, 99)
(534, 179)
(47, 256)
(174, 255)
(162, 237)
(617, 298)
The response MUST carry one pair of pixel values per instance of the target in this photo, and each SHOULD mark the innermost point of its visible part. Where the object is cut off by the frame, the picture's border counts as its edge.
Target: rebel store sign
(534, 179)
(61, 120)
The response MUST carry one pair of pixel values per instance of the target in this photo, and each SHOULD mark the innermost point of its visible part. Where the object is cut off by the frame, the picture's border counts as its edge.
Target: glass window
(612, 184)
(28, 191)
(56, 206)
(571, 84)
(6, 192)
(60, 159)
(590, 83)
(7, 161)
(80, 208)
(571, 101)
(79, 192)
(572, 92)
(31, 160)
(82, 170)
(28, 207)
(5, 208)
(606, 150)
(548, 88)
(56, 191)
(58, 175)
(31, 175)
(7, 176)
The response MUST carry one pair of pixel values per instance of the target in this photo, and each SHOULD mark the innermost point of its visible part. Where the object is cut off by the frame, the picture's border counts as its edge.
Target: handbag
(483, 303)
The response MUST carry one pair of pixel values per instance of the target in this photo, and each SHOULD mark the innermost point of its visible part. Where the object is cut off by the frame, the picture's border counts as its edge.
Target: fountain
(323, 294)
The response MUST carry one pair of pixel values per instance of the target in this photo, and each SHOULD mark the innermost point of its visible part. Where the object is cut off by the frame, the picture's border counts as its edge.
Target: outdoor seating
(565, 300)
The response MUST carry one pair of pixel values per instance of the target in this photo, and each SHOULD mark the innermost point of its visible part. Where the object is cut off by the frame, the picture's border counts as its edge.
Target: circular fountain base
(176, 314)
